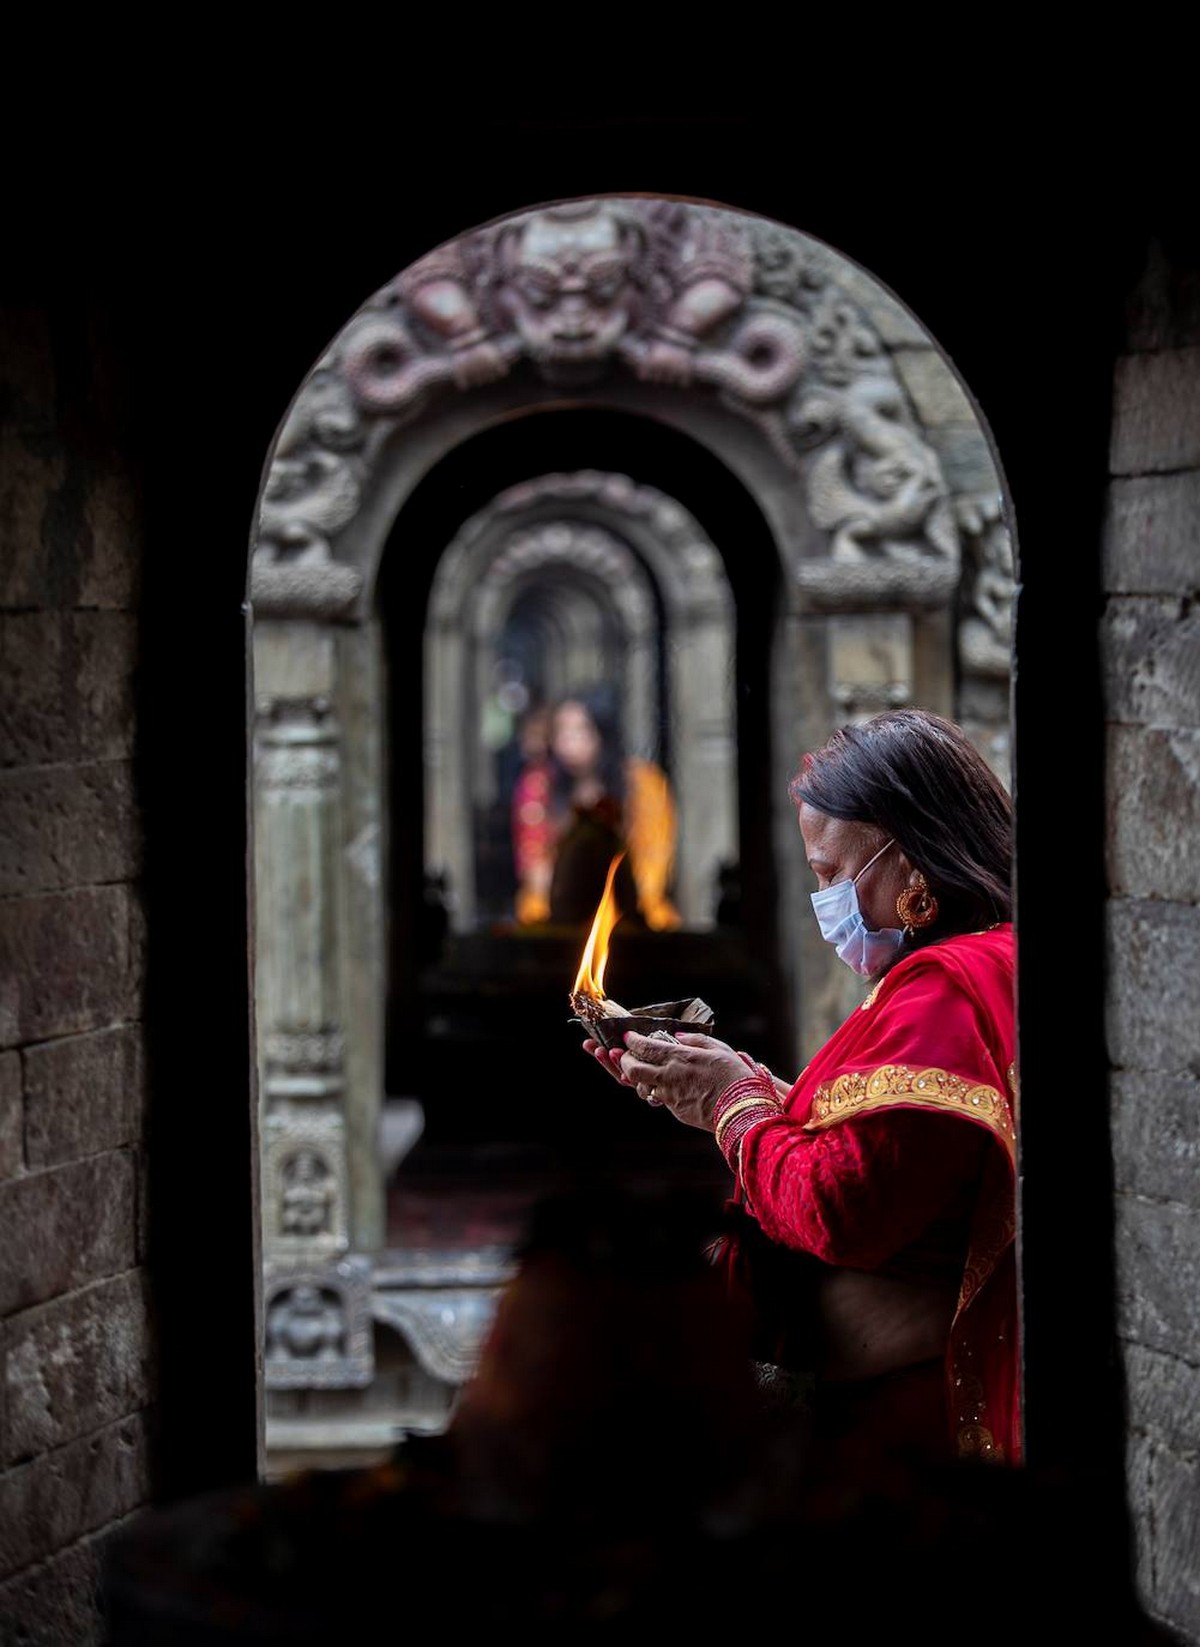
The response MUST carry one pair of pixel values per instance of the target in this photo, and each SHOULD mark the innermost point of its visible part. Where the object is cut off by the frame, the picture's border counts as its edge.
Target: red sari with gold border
(897, 1148)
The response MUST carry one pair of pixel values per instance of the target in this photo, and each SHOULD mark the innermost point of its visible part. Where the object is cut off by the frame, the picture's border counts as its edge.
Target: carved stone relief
(877, 488)
(312, 491)
(318, 1324)
(985, 630)
(304, 1178)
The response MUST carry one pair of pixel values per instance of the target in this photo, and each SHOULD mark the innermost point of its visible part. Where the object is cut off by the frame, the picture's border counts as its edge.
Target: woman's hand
(687, 1073)
(608, 1058)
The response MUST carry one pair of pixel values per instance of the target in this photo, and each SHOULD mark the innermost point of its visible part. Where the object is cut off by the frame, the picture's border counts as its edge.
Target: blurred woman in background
(578, 804)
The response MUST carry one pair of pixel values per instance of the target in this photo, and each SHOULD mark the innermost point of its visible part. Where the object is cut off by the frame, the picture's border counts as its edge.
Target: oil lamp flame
(589, 980)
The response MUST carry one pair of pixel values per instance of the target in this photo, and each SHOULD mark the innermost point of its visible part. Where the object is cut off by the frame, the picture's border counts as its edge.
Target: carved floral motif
(306, 1050)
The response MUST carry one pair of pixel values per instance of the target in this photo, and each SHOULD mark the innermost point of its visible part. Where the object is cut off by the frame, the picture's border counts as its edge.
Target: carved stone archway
(797, 371)
(629, 548)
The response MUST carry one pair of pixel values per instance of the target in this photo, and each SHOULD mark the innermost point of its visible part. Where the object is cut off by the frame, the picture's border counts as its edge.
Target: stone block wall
(1151, 659)
(77, 1364)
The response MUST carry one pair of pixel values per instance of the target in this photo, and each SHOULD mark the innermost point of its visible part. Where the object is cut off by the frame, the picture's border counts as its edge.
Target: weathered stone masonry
(1151, 661)
(76, 1343)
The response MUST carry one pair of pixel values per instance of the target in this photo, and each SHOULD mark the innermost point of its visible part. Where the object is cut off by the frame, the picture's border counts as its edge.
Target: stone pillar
(306, 1210)
(449, 818)
(704, 758)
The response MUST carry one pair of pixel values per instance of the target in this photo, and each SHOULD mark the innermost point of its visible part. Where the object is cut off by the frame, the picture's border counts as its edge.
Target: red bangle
(748, 1085)
(743, 1104)
(730, 1141)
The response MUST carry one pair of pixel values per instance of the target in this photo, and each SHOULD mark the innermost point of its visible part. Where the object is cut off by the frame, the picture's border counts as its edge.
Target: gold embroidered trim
(932, 1088)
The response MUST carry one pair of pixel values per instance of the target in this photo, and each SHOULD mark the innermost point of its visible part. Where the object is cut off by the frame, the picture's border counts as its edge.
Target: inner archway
(467, 999)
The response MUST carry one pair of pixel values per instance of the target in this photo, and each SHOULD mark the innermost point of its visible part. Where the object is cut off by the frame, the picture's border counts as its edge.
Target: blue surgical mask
(841, 922)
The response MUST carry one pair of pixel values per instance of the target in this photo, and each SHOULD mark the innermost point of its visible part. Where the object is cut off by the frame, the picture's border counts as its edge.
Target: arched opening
(793, 408)
(573, 442)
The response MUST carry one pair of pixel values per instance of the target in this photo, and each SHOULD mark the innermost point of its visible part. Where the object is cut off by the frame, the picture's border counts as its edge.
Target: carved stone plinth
(443, 1326)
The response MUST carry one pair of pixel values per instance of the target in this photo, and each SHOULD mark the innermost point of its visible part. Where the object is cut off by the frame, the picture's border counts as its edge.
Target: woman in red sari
(577, 804)
(873, 1209)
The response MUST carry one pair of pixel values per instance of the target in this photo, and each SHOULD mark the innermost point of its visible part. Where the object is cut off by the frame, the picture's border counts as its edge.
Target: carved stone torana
(590, 548)
(666, 293)
(304, 1178)
(623, 499)
(318, 1332)
(626, 504)
(773, 355)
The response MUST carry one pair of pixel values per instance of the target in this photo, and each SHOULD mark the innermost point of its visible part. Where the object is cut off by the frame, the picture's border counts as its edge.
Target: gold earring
(916, 906)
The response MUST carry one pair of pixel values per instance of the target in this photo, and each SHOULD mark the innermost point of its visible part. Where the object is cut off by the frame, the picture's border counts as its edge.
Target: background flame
(589, 980)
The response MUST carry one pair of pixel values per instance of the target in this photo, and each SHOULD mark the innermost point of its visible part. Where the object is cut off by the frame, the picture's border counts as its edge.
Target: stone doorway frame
(786, 362)
(635, 546)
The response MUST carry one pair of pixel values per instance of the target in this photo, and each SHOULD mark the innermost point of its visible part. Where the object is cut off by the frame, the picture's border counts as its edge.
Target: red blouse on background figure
(581, 774)
(533, 825)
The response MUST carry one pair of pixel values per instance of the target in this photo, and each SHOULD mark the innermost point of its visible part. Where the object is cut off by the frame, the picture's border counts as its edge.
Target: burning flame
(589, 980)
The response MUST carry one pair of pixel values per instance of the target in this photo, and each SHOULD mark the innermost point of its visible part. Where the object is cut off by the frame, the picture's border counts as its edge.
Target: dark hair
(920, 779)
(601, 705)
